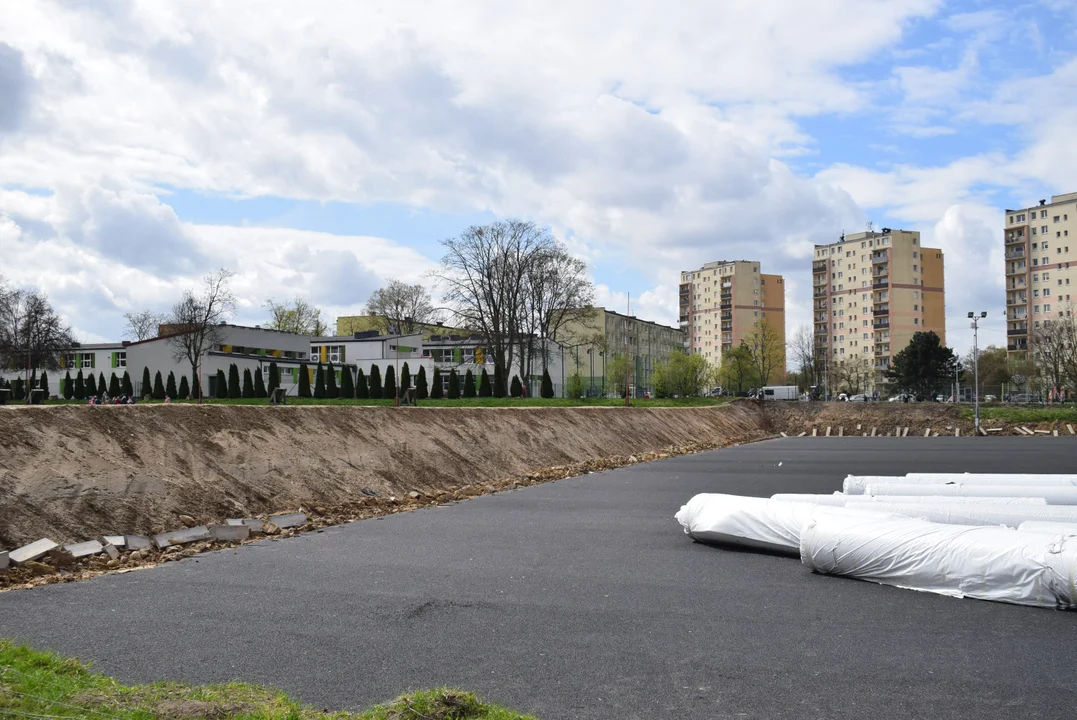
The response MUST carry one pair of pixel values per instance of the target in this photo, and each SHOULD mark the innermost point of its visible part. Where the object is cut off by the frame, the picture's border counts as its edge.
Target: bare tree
(802, 346)
(1054, 353)
(767, 350)
(195, 322)
(556, 285)
(853, 375)
(401, 308)
(32, 335)
(298, 316)
(484, 274)
(143, 325)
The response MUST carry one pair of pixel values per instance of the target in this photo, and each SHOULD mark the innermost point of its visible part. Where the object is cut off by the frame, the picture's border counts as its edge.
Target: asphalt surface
(584, 599)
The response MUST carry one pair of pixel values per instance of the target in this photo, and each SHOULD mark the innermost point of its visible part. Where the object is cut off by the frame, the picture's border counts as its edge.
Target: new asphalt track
(583, 599)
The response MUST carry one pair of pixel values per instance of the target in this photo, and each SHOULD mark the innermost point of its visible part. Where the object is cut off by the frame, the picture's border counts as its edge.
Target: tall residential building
(871, 292)
(721, 304)
(1040, 268)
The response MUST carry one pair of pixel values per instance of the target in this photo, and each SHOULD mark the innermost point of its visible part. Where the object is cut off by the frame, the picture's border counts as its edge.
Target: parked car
(903, 397)
(990, 398)
(859, 398)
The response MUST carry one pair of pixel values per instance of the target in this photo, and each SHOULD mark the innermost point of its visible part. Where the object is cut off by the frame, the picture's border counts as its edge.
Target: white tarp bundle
(1053, 494)
(835, 500)
(993, 478)
(759, 523)
(1050, 528)
(937, 499)
(857, 484)
(979, 562)
(964, 514)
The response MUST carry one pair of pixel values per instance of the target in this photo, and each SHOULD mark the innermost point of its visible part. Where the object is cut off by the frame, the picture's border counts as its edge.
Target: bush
(485, 390)
(435, 386)
(274, 378)
(16, 390)
(390, 383)
(469, 384)
(362, 392)
(575, 386)
(331, 390)
(347, 384)
(80, 386)
(304, 381)
(147, 384)
(454, 385)
(114, 386)
(102, 388)
(259, 384)
(158, 387)
(125, 385)
(184, 390)
(516, 388)
(222, 385)
(235, 390)
(374, 382)
(546, 390)
(422, 387)
(44, 384)
(170, 386)
(405, 378)
(69, 386)
(499, 382)
(248, 383)
(319, 381)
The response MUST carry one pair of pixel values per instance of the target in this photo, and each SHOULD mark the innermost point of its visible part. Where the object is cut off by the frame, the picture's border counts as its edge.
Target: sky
(320, 149)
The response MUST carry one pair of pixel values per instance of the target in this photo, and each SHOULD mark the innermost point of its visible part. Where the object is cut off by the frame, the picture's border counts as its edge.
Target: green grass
(1024, 414)
(463, 402)
(40, 685)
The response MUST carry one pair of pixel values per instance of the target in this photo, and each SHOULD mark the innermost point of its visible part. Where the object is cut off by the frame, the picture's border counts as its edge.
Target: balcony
(1019, 253)
(1020, 332)
(1016, 269)
(881, 312)
(881, 322)
(821, 318)
(819, 281)
(879, 257)
(880, 284)
(1016, 284)
(819, 292)
(1012, 301)
(818, 266)
(727, 327)
(1012, 239)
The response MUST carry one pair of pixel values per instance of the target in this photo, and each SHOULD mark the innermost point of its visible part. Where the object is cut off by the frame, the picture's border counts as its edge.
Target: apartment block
(871, 292)
(722, 302)
(1041, 269)
(593, 336)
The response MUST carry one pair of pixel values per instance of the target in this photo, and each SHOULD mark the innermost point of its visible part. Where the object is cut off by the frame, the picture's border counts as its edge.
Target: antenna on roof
(871, 226)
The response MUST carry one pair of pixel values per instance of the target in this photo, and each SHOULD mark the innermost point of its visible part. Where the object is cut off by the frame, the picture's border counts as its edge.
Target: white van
(779, 392)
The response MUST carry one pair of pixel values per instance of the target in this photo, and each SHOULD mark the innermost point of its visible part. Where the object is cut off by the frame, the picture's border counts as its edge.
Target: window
(1045, 245)
(1035, 293)
(1047, 308)
(913, 254)
(1056, 218)
(1047, 292)
(1043, 213)
(1047, 276)
(1035, 308)
(916, 308)
(914, 268)
(1035, 262)
(916, 321)
(1043, 230)
(1035, 277)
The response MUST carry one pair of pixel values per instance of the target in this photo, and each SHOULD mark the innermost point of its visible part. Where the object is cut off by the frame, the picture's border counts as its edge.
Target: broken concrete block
(84, 549)
(4, 560)
(288, 520)
(828, 431)
(803, 434)
(116, 540)
(112, 552)
(1055, 433)
(1070, 428)
(137, 542)
(33, 551)
(841, 431)
(230, 533)
(873, 432)
(181, 537)
(814, 432)
(253, 523)
(957, 432)
(783, 435)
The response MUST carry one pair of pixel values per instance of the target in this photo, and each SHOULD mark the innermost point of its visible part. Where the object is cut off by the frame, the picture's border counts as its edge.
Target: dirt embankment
(72, 473)
(886, 419)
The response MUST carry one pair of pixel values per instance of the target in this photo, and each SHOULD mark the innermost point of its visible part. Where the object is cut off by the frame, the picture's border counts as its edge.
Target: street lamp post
(976, 363)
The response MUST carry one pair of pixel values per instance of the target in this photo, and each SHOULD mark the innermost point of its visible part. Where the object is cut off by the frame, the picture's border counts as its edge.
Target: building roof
(1055, 200)
(97, 346)
(352, 338)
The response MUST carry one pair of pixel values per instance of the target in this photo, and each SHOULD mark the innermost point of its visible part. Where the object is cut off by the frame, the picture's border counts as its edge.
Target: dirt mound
(860, 418)
(76, 472)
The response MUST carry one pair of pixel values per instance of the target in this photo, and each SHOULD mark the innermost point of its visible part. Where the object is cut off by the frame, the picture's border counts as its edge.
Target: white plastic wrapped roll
(759, 523)
(979, 562)
(993, 478)
(1049, 528)
(935, 499)
(857, 484)
(965, 514)
(1053, 494)
(835, 500)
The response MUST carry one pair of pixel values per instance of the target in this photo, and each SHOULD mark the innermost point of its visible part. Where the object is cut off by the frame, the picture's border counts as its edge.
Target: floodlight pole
(976, 364)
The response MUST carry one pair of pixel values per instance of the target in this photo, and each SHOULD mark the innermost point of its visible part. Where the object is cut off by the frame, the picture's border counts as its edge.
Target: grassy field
(37, 685)
(464, 402)
(1024, 413)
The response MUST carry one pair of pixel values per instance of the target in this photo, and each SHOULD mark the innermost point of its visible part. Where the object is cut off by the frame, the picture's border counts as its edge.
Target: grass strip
(45, 686)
